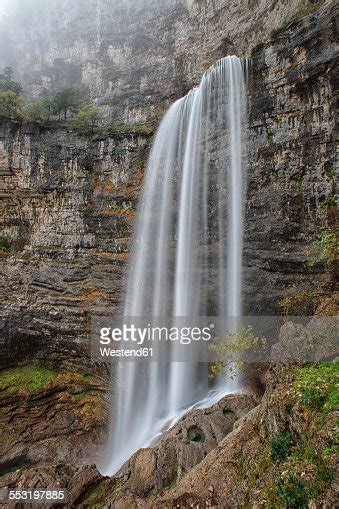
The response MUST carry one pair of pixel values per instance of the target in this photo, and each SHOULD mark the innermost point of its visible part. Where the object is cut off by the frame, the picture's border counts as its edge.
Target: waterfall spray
(187, 253)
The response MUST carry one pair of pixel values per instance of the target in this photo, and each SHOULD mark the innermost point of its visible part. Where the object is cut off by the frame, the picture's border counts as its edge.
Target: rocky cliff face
(135, 56)
(68, 204)
(69, 200)
(291, 182)
(280, 454)
(67, 211)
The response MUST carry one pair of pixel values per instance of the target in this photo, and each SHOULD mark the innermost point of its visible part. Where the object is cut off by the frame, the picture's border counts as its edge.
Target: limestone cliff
(133, 55)
(68, 200)
(67, 207)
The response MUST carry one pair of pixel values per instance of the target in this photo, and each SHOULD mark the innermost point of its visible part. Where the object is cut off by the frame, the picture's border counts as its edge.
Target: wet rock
(182, 447)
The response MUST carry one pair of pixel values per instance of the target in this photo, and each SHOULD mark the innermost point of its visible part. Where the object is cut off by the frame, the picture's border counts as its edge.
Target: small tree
(231, 349)
(66, 100)
(87, 118)
(7, 84)
(11, 105)
(42, 109)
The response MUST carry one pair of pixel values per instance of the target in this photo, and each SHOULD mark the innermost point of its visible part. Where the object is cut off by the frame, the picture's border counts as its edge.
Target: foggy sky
(3, 7)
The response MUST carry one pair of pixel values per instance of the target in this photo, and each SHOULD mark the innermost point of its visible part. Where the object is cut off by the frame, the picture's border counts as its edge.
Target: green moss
(101, 495)
(170, 482)
(81, 395)
(331, 201)
(195, 435)
(258, 469)
(317, 385)
(229, 414)
(29, 378)
(137, 129)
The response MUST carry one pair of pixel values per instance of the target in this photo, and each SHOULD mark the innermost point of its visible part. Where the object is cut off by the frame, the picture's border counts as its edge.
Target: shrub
(281, 445)
(11, 105)
(42, 109)
(231, 349)
(304, 297)
(87, 118)
(324, 248)
(293, 492)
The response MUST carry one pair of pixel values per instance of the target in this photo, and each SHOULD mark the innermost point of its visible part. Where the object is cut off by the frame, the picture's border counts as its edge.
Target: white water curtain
(187, 251)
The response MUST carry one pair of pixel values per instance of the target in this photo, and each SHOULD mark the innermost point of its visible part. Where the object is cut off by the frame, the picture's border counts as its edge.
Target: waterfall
(187, 252)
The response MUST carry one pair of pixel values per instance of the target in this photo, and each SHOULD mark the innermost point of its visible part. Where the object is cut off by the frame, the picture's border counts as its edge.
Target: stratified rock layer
(68, 201)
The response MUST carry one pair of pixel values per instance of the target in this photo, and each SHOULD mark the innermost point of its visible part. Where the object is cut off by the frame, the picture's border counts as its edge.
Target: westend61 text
(140, 352)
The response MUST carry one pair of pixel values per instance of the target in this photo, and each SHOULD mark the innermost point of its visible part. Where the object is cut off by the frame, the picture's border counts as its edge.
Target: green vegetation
(296, 492)
(11, 105)
(137, 129)
(281, 445)
(304, 297)
(331, 201)
(61, 105)
(230, 350)
(87, 118)
(13, 245)
(26, 379)
(332, 449)
(317, 385)
(67, 100)
(324, 248)
(170, 482)
(295, 468)
(49, 104)
(330, 173)
(42, 109)
(229, 414)
(195, 435)
(292, 492)
(3, 242)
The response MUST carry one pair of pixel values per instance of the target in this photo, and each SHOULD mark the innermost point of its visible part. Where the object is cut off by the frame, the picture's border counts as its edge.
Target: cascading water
(187, 254)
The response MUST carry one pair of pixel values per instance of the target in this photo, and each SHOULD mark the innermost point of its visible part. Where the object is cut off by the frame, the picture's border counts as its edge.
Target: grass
(304, 476)
(25, 379)
(317, 385)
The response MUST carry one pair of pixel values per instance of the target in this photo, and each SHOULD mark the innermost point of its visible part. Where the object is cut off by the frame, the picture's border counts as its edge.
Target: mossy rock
(26, 379)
